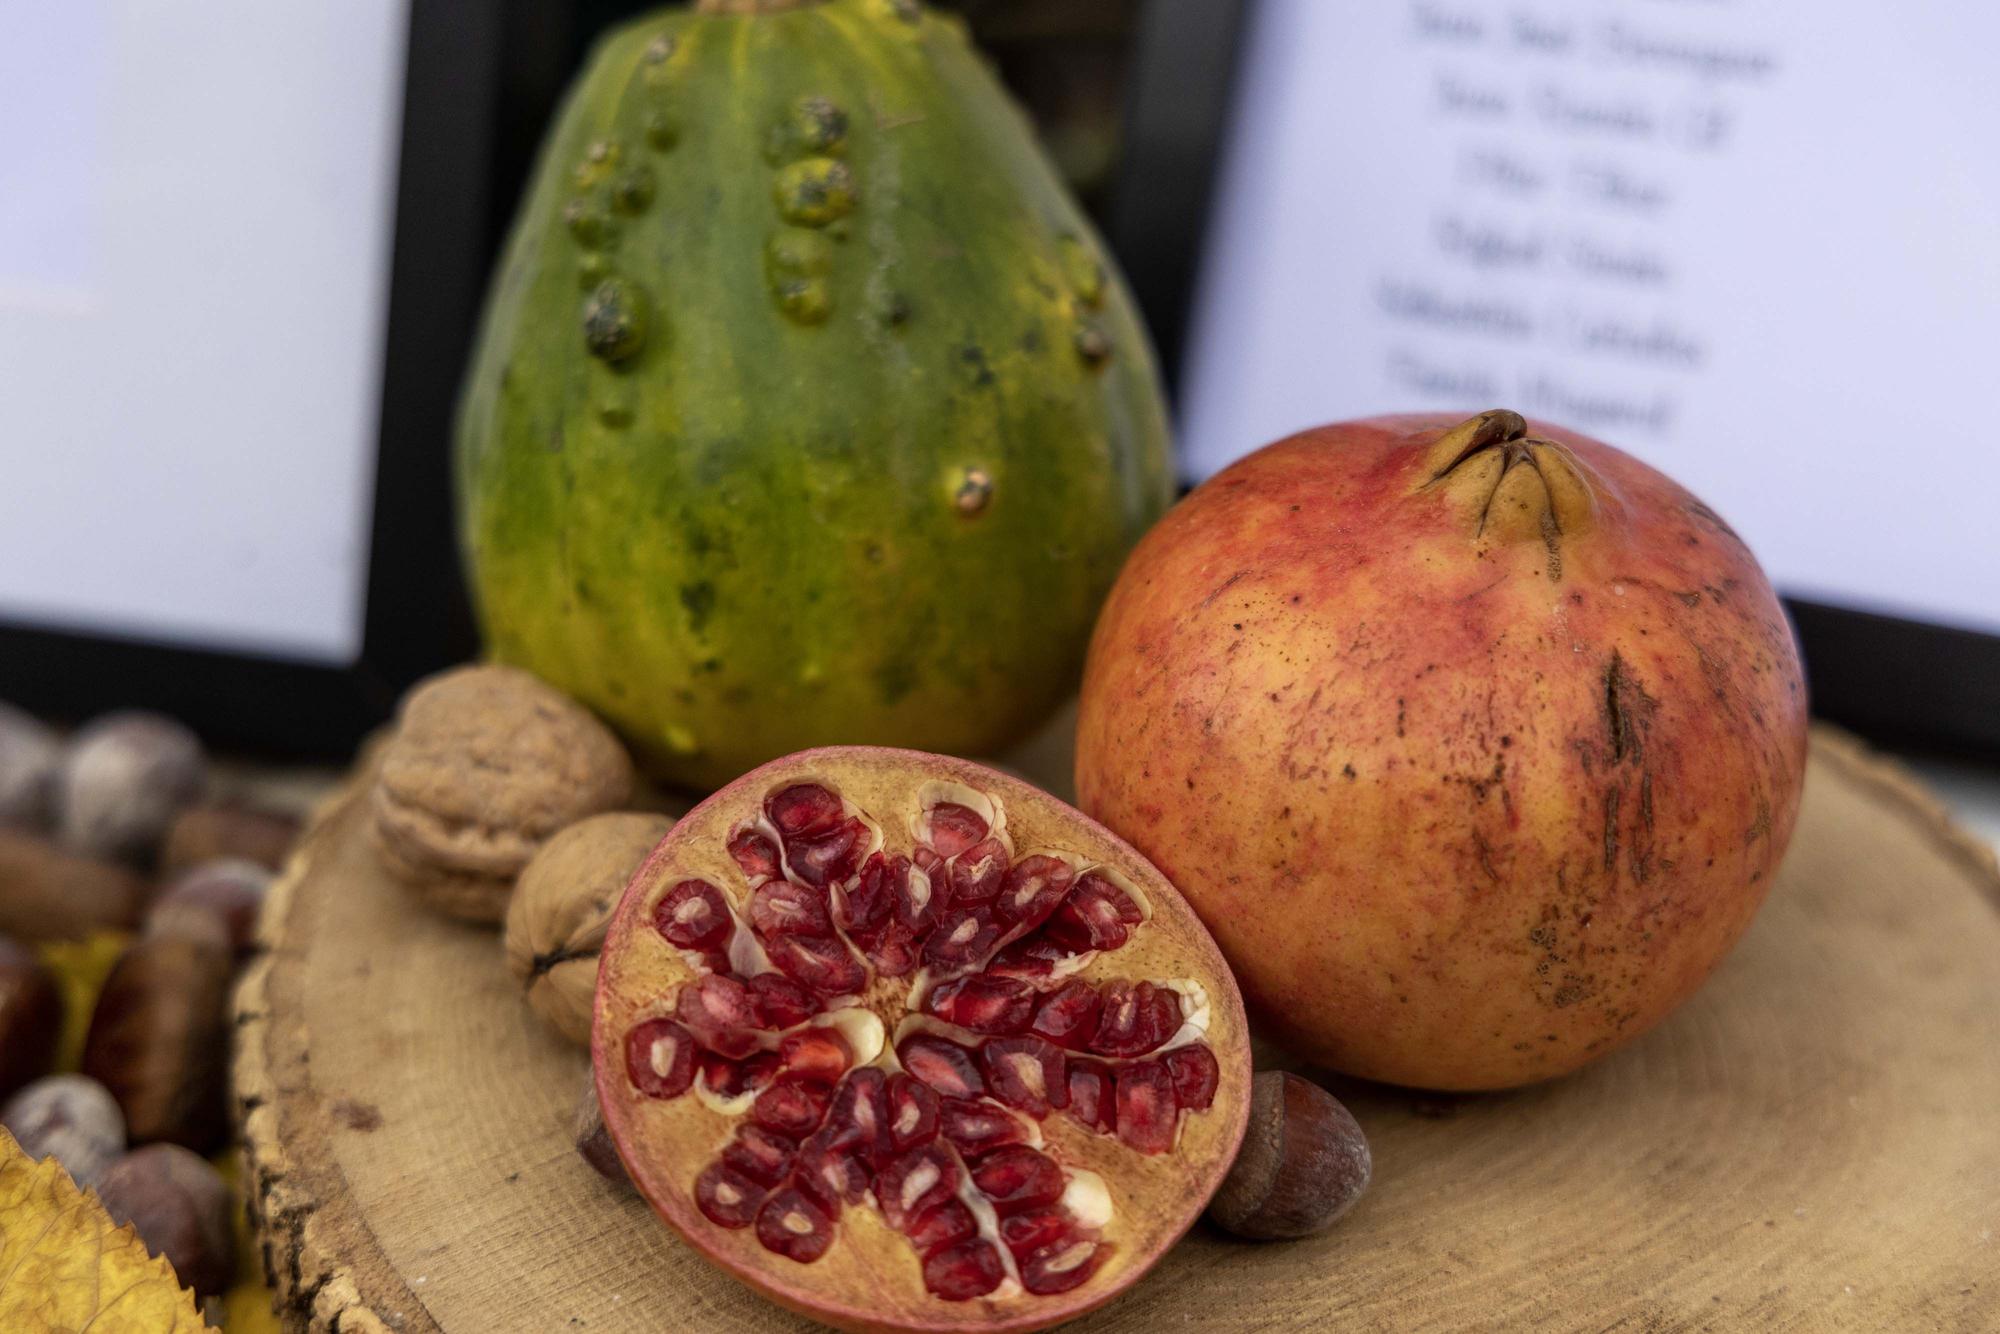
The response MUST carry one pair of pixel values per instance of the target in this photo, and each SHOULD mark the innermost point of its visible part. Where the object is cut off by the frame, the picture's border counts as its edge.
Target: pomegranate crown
(1508, 486)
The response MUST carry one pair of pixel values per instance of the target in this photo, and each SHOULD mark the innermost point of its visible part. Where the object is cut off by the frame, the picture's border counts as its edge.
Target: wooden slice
(1812, 1143)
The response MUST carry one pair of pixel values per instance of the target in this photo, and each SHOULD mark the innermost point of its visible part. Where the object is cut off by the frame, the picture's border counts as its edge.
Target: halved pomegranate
(905, 1043)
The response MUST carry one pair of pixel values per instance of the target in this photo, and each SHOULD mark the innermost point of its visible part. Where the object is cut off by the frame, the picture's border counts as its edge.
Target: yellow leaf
(247, 1306)
(80, 967)
(66, 1267)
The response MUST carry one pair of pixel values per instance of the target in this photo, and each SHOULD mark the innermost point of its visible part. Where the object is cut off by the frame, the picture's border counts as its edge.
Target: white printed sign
(1755, 245)
(196, 202)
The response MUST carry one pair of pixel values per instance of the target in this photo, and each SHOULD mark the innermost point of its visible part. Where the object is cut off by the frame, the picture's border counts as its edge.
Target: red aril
(896, 983)
(947, 1223)
(967, 1270)
(975, 1126)
(984, 1004)
(727, 1197)
(1069, 1015)
(764, 1156)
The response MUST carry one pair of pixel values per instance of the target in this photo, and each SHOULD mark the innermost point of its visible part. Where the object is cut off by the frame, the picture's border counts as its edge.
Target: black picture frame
(480, 78)
(416, 618)
(1897, 681)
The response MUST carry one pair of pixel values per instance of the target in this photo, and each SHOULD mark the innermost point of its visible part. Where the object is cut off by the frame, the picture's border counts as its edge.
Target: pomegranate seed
(1033, 957)
(948, 1223)
(1091, 1097)
(792, 1106)
(819, 962)
(1068, 1015)
(984, 1004)
(944, 1065)
(1060, 1265)
(1098, 915)
(829, 1177)
(977, 1126)
(793, 1226)
(1026, 1074)
(916, 897)
(1136, 1019)
(728, 1079)
(916, 1183)
(780, 1002)
(816, 1053)
(762, 1155)
(693, 916)
(719, 1012)
(1195, 1075)
(1146, 1108)
(913, 1113)
(962, 1272)
(726, 1197)
(755, 854)
(1037, 1227)
(892, 950)
(659, 1058)
(1018, 1177)
(781, 908)
(1033, 889)
(829, 858)
(954, 828)
(978, 871)
(964, 936)
(858, 1122)
(802, 808)
(866, 904)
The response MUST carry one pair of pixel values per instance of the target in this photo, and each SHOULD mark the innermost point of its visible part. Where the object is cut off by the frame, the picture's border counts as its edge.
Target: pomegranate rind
(871, 1277)
(1477, 757)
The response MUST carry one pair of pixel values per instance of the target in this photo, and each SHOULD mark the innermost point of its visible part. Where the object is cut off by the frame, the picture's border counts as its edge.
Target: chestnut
(159, 1037)
(593, 1141)
(49, 894)
(71, 1118)
(228, 830)
(29, 752)
(232, 890)
(122, 782)
(1304, 1162)
(31, 1015)
(181, 1209)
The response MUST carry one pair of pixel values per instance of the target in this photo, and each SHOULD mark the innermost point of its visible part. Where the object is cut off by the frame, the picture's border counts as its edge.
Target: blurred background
(243, 246)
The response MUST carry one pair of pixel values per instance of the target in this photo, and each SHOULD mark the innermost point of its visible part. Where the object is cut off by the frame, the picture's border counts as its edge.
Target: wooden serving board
(1812, 1143)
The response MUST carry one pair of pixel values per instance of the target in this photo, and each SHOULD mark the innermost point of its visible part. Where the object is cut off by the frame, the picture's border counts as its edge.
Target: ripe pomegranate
(1475, 743)
(905, 1043)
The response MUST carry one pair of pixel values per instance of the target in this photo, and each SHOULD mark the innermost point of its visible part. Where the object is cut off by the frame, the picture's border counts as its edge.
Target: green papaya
(806, 407)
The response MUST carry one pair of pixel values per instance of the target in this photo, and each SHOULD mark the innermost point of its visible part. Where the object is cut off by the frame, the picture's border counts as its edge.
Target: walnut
(561, 906)
(487, 763)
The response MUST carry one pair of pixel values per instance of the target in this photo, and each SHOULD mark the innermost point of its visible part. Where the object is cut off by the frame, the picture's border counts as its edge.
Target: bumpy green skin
(746, 472)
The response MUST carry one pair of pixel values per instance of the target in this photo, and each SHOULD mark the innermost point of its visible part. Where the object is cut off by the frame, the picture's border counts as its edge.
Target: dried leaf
(80, 967)
(64, 1265)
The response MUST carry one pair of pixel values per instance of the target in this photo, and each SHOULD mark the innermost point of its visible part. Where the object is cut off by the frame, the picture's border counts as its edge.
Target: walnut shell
(487, 763)
(561, 906)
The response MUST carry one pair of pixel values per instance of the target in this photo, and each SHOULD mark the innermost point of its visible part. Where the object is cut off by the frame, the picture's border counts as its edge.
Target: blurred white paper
(51, 80)
(1756, 243)
(196, 204)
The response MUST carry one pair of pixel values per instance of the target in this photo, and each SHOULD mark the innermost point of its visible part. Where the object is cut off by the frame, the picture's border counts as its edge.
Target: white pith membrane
(1085, 1201)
